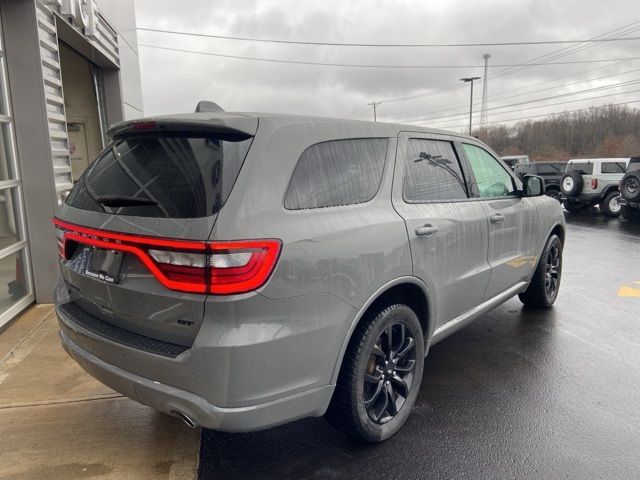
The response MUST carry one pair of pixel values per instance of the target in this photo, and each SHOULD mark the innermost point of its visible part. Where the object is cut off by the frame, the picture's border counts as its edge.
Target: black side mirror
(533, 186)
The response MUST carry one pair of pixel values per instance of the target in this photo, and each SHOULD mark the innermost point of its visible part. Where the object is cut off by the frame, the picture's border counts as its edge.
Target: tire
(610, 205)
(545, 284)
(367, 351)
(571, 184)
(555, 194)
(573, 207)
(630, 186)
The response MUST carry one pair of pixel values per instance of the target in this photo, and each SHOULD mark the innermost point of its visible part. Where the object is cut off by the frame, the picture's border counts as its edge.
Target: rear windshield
(586, 168)
(161, 175)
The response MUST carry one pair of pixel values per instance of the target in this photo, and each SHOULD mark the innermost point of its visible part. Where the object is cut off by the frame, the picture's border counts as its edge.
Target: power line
(456, 86)
(378, 45)
(499, 98)
(549, 114)
(542, 99)
(555, 104)
(446, 108)
(360, 65)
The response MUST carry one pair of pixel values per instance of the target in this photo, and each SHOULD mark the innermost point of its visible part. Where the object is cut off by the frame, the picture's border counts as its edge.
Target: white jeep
(589, 182)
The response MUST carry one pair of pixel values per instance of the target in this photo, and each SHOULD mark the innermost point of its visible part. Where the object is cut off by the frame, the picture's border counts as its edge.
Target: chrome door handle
(497, 218)
(426, 230)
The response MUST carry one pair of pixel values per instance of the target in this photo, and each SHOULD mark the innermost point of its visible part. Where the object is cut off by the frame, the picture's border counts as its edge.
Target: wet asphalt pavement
(517, 394)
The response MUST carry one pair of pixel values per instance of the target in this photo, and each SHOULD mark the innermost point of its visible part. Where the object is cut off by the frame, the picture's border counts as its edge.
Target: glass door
(15, 274)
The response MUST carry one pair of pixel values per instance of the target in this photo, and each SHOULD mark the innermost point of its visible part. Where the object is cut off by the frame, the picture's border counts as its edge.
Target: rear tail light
(594, 183)
(221, 268)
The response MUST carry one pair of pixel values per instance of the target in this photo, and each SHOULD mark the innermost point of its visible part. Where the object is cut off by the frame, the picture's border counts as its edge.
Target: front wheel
(380, 376)
(543, 289)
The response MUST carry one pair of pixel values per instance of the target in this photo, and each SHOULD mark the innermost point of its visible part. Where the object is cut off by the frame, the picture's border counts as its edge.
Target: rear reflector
(222, 268)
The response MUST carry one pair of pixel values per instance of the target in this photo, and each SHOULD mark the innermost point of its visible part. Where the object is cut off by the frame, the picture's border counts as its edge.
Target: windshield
(166, 175)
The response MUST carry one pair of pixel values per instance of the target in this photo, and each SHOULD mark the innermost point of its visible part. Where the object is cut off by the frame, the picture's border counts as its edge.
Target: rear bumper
(171, 400)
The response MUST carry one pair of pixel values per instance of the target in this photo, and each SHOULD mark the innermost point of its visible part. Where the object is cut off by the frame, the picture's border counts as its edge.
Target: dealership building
(68, 69)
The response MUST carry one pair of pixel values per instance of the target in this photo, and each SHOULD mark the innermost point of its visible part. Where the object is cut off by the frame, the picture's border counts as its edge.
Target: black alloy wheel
(552, 271)
(389, 374)
(545, 283)
(380, 376)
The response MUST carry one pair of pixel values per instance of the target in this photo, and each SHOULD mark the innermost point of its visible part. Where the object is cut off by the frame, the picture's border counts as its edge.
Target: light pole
(466, 80)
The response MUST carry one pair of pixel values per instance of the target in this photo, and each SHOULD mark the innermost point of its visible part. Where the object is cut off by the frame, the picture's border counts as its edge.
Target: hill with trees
(610, 131)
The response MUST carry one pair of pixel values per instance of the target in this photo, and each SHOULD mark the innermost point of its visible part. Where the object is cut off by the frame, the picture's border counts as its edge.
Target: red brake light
(594, 183)
(222, 268)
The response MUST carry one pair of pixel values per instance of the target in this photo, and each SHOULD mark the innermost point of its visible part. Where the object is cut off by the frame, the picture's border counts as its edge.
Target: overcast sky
(175, 81)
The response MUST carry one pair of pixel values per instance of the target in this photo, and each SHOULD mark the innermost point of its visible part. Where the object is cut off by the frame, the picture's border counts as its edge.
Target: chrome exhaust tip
(186, 419)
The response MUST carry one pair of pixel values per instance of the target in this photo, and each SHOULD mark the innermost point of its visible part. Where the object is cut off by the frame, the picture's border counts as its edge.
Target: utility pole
(484, 117)
(470, 80)
(374, 105)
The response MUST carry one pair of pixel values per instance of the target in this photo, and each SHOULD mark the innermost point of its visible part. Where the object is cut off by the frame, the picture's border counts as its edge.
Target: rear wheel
(543, 289)
(380, 376)
(610, 205)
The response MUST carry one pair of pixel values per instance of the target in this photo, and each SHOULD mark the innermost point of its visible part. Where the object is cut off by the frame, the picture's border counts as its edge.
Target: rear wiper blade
(119, 201)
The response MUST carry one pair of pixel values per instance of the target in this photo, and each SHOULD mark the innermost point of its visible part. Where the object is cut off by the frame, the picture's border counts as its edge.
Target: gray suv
(241, 271)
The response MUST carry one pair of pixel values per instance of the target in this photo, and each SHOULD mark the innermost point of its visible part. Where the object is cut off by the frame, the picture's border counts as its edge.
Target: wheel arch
(557, 229)
(408, 290)
(609, 189)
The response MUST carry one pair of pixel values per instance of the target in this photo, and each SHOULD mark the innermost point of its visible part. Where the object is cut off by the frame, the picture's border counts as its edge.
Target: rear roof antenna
(207, 106)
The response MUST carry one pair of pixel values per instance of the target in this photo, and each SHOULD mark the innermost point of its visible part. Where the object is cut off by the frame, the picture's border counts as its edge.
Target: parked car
(551, 173)
(590, 182)
(514, 160)
(630, 190)
(241, 271)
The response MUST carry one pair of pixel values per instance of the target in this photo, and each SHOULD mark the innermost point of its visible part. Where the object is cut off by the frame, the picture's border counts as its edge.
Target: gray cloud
(175, 81)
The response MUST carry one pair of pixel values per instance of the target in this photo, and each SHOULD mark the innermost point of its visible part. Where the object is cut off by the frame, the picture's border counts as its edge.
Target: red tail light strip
(220, 281)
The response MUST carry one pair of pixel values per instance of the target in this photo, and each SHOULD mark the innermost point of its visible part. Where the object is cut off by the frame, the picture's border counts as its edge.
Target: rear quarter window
(338, 172)
(613, 167)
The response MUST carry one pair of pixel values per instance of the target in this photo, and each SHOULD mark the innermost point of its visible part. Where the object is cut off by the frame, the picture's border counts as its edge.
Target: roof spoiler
(233, 128)
(207, 106)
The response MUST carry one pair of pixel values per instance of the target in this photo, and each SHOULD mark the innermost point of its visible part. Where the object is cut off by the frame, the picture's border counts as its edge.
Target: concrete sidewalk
(58, 422)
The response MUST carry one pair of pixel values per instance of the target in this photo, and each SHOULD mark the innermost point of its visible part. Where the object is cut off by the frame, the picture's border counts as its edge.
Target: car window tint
(432, 172)
(339, 172)
(613, 167)
(586, 168)
(550, 169)
(169, 175)
(491, 177)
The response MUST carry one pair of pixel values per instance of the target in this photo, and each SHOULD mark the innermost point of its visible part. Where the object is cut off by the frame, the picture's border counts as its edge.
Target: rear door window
(338, 172)
(432, 172)
(161, 175)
